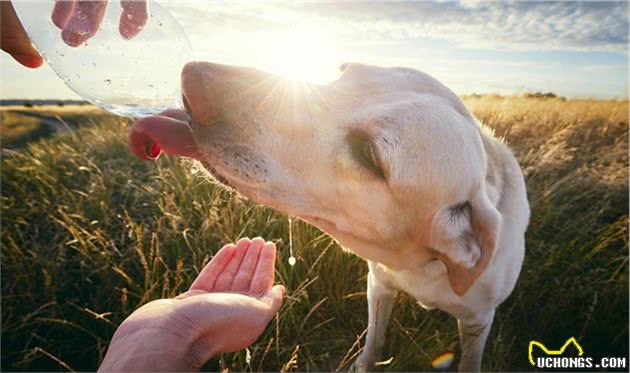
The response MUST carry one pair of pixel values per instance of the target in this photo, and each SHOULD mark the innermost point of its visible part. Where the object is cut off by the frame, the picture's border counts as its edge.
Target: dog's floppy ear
(464, 237)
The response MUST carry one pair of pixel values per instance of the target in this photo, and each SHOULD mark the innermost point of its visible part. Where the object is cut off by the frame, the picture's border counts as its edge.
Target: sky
(574, 49)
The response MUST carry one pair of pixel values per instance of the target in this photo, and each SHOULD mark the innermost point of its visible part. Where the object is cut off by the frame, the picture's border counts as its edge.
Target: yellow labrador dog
(388, 161)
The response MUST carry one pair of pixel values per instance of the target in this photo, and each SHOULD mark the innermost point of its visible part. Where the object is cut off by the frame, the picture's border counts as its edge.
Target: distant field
(89, 233)
(21, 125)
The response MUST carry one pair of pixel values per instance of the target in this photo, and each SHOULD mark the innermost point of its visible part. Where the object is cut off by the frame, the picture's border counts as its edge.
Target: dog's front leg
(380, 298)
(473, 333)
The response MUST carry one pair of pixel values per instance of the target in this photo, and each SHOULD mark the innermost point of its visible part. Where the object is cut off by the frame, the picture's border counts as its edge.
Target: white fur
(286, 146)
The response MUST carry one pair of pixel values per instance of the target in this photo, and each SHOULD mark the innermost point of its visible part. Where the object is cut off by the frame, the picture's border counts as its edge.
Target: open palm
(226, 308)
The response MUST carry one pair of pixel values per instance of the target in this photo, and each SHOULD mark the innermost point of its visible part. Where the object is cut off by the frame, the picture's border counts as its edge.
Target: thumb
(273, 298)
(14, 39)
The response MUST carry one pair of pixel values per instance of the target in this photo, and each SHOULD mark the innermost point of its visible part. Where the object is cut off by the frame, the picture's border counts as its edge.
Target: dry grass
(89, 233)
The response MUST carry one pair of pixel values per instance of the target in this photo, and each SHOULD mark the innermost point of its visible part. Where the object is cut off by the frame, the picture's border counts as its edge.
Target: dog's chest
(429, 286)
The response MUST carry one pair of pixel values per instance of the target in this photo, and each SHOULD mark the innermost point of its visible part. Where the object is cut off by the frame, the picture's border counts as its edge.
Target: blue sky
(575, 49)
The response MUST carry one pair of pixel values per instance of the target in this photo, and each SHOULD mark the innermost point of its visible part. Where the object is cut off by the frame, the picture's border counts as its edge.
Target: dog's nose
(211, 90)
(201, 91)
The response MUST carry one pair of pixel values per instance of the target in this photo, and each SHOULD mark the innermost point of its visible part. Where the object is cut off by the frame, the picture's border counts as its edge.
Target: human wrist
(146, 349)
(202, 349)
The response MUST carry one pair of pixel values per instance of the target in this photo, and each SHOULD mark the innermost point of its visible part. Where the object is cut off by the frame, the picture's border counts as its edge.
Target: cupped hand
(226, 309)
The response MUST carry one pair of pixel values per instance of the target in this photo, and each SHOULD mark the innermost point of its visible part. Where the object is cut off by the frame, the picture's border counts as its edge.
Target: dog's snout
(186, 105)
(211, 90)
(200, 91)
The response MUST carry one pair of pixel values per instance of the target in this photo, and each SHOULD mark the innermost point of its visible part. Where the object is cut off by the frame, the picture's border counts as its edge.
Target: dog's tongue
(152, 135)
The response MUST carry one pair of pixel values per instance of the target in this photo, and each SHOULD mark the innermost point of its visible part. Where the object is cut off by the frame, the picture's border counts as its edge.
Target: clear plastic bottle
(133, 78)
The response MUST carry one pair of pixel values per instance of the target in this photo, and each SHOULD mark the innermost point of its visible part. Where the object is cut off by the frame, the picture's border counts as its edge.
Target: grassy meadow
(89, 233)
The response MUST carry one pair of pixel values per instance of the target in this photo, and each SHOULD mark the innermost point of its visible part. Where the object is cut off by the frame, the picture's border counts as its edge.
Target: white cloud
(599, 26)
(461, 44)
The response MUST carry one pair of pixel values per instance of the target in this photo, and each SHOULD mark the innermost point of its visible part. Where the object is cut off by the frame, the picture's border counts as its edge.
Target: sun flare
(303, 54)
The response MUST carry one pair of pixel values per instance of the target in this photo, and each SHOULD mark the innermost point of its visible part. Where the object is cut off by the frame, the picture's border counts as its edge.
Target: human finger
(84, 21)
(62, 11)
(208, 275)
(14, 40)
(133, 18)
(246, 271)
(265, 270)
(226, 277)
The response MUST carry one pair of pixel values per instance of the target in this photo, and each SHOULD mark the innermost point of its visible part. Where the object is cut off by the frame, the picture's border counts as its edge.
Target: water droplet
(292, 261)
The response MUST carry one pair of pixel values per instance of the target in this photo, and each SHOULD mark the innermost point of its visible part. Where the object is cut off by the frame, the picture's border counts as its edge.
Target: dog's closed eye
(365, 152)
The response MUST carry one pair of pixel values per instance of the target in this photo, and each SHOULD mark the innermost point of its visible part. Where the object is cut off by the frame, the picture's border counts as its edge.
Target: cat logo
(554, 352)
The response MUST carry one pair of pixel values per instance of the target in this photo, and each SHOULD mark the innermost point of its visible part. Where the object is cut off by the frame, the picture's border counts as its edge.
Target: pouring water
(292, 259)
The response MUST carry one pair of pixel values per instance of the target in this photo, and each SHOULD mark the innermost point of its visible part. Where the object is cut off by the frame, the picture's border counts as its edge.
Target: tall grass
(89, 233)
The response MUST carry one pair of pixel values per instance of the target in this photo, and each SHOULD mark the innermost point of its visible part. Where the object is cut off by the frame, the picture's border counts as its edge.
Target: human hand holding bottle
(78, 21)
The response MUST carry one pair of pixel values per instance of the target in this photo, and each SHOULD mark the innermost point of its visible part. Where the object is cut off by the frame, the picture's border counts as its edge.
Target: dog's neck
(495, 167)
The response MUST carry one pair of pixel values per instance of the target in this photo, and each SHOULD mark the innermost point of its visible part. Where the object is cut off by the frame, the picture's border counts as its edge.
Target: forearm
(146, 361)
(145, 351)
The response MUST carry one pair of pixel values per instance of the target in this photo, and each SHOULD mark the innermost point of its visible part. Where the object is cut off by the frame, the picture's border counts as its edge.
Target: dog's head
(388, 161)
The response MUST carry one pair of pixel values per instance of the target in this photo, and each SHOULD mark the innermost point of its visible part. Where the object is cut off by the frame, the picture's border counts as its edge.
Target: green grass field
(89, 233)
